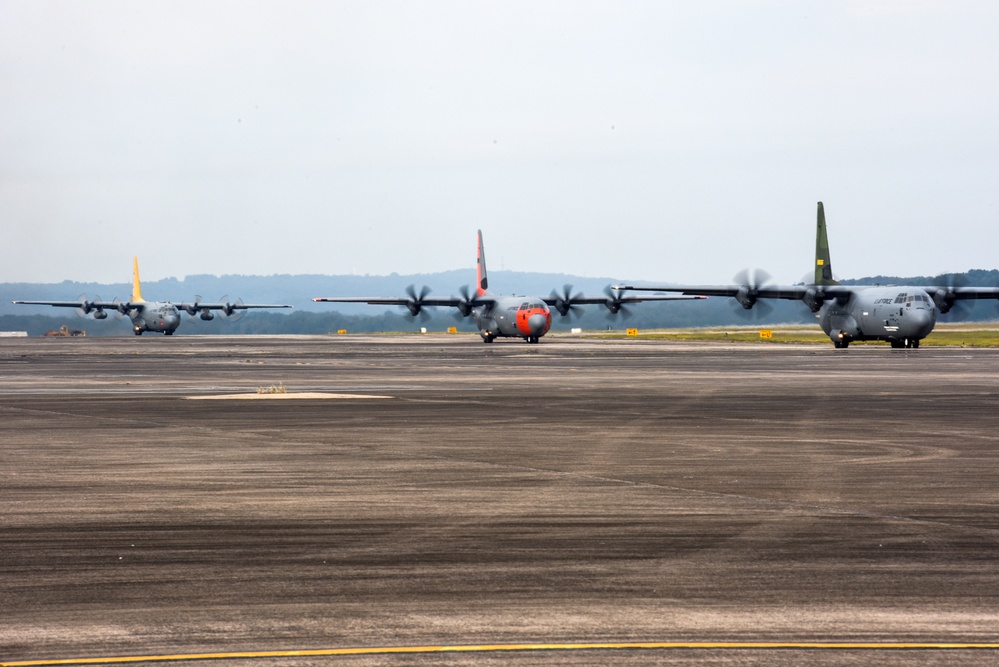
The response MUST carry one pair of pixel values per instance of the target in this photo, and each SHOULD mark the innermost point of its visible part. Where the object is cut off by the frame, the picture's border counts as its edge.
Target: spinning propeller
(614, 303)
(192, 309)
(465, 303)
(565, 302)
(85, 306)
(231, 310)
(119, 308)
(750, 282)
(88, 306)
(415, 302)
(946, 300)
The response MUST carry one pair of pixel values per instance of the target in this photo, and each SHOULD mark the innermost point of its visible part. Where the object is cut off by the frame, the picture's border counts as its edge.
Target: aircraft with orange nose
(525, 317)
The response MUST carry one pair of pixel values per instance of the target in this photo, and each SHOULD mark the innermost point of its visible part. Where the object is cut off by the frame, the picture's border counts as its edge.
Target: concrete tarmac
(577, 490)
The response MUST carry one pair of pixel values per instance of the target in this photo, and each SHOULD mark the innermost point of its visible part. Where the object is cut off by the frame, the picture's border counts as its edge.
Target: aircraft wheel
(167, 333)
(841, 344)
(138, 332)
(915, 342)
(897, 344)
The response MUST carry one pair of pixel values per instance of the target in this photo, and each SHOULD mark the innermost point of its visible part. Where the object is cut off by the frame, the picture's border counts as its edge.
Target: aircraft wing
(452, 301)
(795, 292)
(592, 300)
(962, 292)
(85, 305)
(226, 306)
(60, 304)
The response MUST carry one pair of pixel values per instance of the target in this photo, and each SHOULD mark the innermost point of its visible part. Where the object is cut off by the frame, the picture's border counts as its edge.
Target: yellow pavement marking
(265, 396)
(856, 646)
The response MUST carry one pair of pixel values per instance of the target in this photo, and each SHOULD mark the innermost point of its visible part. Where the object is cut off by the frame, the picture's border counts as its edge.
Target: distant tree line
(366, 319)
(682, 314)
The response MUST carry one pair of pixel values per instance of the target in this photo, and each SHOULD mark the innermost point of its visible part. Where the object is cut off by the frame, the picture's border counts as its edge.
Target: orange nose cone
(538, 324)
(534, 322)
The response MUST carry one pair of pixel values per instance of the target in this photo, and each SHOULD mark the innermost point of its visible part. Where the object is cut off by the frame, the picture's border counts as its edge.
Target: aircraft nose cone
(538, 324)
(923, 321)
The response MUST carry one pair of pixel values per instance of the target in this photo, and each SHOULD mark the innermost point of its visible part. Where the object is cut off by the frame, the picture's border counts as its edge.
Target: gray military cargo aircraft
(900, 315)
(157, 316)
(527, 317)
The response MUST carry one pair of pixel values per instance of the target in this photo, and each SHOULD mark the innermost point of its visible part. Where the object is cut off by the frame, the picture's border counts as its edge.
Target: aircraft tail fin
(136, 286)
(823, 266)
(482, 280)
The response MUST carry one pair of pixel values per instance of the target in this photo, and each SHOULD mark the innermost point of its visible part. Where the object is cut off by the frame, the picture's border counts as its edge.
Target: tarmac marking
(294, 395)
(492, 648)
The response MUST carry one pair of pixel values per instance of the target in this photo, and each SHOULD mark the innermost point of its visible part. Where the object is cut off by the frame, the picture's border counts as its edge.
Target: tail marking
(136, 286)
(823, 266)
(482, 280)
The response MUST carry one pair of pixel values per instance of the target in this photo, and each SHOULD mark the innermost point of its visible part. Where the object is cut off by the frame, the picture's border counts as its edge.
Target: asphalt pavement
(397, 491)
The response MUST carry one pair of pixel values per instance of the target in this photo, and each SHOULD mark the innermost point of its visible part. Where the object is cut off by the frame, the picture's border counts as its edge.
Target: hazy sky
(673, 141)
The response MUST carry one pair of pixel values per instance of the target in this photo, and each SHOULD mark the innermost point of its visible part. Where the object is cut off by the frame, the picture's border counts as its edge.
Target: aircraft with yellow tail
(158, 316)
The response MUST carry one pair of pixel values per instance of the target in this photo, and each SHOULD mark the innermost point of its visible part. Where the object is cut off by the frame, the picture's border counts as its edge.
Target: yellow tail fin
(136, 287)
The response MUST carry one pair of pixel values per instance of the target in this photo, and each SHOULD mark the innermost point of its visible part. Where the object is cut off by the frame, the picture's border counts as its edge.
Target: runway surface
(572, 491)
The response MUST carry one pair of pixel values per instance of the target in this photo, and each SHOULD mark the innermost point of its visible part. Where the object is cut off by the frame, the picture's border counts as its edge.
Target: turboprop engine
(814, 299)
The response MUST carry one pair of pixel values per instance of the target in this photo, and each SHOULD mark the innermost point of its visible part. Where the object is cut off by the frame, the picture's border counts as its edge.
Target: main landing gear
(905, 342)
(488, 337)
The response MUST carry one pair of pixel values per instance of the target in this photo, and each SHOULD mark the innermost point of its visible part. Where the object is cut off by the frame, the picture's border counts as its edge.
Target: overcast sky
(667, 141)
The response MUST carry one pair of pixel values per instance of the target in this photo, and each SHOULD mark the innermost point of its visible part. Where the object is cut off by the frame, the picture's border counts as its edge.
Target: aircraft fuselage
(524, 317)
(900, 315)
(156, 316)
